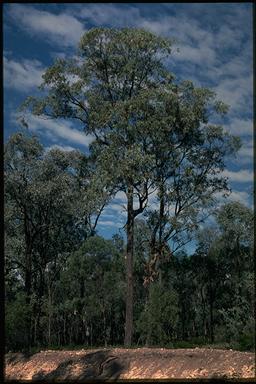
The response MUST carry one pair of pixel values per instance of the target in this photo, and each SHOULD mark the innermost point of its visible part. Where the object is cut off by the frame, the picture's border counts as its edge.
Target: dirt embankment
(141, 363)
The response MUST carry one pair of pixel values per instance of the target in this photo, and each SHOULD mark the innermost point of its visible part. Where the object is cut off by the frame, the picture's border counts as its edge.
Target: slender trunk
(35, 330)
(111, 328)
(82, 335)
(211, 314)
(49, 316)
(105, 329)
(194, 328)
(28, 259)
(129, 270)
(64, 330)
(238, 266)
(183, 311)
(160, 276)
(161, 212)
(38, 308)
(28, 278)
(82, 288)
(161, 226)
(148, 337)
(204, 313)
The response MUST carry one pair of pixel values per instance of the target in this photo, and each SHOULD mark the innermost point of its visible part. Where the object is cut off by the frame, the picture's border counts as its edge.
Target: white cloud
(245, 154)
(236, 92)
(241, 196)
(121, 196)
(56, 130)
(115, 207)
(240, 126)
(159, 27)
(66, 148)
(198, 43)
(242, 176)
(62, 28)
(110, 223)
(235, 67)
(196, 54)
(59, 55)
(24, 75)
(186, 30)
(244, 129)
(102, 14)
(153, 206)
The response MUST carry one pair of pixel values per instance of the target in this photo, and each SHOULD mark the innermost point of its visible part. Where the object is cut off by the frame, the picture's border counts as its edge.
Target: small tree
(158, 320)
(222, 266)
(44, 215)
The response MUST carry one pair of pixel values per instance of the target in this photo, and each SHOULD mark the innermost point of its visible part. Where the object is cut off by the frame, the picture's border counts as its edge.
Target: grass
(241, 345)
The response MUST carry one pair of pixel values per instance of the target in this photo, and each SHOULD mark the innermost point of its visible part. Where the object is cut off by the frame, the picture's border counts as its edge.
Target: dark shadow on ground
(100, 365)
(17, 357)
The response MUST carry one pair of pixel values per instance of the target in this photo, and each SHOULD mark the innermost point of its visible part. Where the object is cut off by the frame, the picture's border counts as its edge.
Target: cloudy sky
(215, 50)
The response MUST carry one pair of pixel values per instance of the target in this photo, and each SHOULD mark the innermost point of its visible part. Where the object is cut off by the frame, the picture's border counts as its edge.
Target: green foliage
(159, 317)
(247, 341)
(17, 317)
(65, 283)
(88, 294)
(47, 218)
(91, 290)
(236, 222)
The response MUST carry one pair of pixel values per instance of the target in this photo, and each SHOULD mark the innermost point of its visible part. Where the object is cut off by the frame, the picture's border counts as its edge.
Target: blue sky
(215, 51)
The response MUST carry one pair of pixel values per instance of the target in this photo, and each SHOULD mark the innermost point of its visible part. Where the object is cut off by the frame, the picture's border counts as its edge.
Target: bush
(247, 342)
(183, 344)
(17, 317)
(159, 317)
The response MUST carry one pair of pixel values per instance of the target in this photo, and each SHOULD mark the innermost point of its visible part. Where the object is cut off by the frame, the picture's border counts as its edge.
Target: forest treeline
(157, 140)
(76, 279)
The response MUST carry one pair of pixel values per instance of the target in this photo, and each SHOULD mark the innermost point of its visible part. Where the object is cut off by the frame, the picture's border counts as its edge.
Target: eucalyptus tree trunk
(161, 211)
(238, 266)
(49, 316)
(211, 313)
(28, 278)
(129, 269)
(28, 262)
(161, 222)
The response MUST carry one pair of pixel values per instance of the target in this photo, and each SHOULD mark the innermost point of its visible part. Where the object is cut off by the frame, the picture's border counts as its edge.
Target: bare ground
(119, 363)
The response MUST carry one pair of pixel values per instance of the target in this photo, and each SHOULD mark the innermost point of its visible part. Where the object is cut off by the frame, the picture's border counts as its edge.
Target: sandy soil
(118, 363)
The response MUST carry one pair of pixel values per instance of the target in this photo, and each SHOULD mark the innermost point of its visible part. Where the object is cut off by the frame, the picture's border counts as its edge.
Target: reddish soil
(141, 363)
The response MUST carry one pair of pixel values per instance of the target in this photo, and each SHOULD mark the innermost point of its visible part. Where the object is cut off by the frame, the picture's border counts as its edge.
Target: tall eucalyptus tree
(149, 132)
(100, 91)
